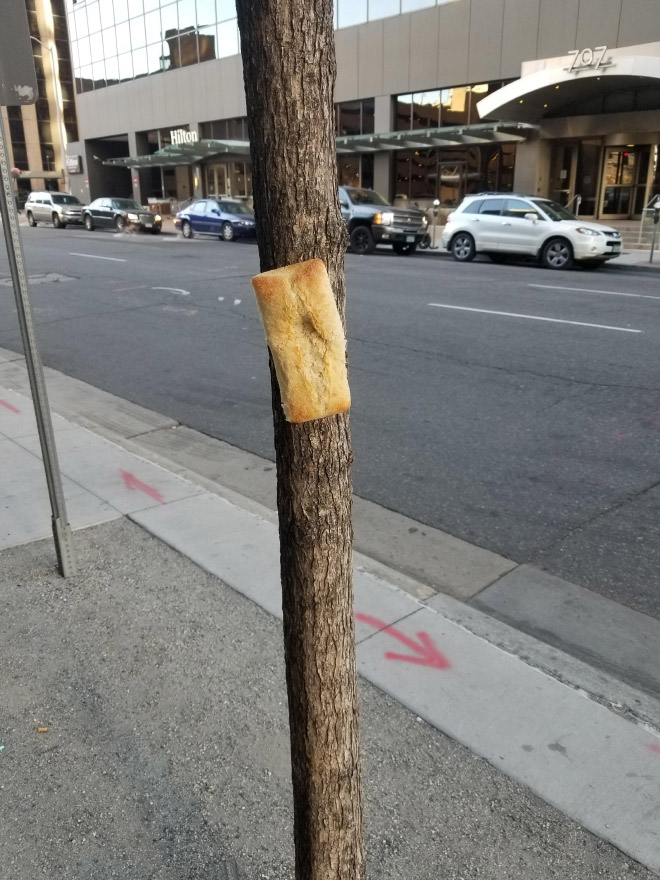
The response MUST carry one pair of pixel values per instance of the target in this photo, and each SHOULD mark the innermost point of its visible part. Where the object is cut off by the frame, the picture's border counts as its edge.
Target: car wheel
(462, 247)
(593, 264)
(557, 254)
(88, 223)
(227, 232)
(186, 229)
(362, 241)
(120, 223)
(31, 220)
(402, 248)
(57, 223)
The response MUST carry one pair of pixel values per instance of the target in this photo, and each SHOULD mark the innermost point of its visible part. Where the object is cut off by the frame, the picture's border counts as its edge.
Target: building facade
(433, 99)
(38, 133)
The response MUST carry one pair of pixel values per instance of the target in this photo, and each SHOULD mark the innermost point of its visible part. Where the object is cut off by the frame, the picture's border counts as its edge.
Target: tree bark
(289, 71)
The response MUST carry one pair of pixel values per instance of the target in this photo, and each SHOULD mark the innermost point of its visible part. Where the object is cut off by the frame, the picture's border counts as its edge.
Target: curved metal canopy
(544, 92)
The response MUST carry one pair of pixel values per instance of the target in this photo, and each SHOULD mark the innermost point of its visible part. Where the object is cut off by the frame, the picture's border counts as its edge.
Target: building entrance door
(625, 173)
(562, 172)
(217, 180)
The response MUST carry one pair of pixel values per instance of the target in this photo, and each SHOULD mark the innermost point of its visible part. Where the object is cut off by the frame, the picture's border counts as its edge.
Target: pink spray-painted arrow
(428, 654)
(132, 482)
(9, 406)
(653, 747)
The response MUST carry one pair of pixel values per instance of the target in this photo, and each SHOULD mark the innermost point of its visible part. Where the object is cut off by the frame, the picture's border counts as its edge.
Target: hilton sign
(181, 136)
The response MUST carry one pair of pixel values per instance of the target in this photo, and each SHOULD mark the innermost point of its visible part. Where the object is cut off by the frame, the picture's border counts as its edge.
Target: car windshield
(235, 208)
(126, 205)
(554, 210)
(65, 200)
(366, 197)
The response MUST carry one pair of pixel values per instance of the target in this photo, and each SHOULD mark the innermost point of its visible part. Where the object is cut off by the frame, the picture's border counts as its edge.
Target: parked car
(507, 224)
(371, 221)
(57, 208)
(222, 217)
(120, 214)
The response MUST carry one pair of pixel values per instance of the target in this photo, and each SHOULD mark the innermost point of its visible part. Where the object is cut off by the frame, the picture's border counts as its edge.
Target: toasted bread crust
(306, 339)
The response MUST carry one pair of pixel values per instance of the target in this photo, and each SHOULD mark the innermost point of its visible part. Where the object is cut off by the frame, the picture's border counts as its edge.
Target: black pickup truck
(371, 221)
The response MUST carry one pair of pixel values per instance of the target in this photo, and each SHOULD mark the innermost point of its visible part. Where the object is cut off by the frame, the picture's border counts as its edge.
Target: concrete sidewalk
(137, 665)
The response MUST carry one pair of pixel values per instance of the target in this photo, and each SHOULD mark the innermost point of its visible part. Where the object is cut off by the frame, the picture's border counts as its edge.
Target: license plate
(149, 223)
(615, 247)
(410, 238)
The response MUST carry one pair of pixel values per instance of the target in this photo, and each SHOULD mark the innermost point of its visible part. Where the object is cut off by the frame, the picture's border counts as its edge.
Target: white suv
(502, 224)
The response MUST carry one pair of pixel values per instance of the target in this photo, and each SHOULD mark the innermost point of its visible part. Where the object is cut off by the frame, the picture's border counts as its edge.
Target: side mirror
(531, 215)
(343, 203)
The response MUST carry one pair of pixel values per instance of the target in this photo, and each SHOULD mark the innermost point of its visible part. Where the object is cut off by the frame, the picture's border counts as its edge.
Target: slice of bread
(306, 339)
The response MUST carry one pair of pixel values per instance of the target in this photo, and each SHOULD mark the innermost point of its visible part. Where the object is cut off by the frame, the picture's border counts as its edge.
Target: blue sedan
(226, 219)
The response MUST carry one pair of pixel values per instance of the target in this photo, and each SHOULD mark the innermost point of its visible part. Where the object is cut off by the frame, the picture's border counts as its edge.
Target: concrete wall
(468, 41)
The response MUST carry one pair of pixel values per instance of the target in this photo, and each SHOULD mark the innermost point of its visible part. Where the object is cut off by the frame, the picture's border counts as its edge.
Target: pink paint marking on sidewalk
(9, 406)
(428, 654)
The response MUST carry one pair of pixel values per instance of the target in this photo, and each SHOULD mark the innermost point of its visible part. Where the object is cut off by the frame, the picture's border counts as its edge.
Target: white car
(503, 224)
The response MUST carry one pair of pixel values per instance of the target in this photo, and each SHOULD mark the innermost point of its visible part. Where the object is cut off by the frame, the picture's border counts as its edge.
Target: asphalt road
(512, 406)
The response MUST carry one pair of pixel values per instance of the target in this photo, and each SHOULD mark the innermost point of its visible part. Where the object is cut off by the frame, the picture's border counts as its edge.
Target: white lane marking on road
(237, 302)
(534, 318)
(138, 287)
(588, 290)
(96, 257)
(174, 290)
(221, 298)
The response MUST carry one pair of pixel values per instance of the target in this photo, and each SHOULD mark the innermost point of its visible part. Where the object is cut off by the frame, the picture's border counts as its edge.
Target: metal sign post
(656, 220)
(18, 85)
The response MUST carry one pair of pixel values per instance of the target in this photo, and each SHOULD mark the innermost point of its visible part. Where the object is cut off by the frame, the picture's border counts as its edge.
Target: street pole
(656, 220)
(58, 109)
(61, 527)
(436, 207)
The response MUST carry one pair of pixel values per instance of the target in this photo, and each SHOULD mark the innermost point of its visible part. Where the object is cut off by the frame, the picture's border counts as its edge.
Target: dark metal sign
(18, 78)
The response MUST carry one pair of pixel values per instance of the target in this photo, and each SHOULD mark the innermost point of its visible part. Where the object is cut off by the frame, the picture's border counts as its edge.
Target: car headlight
(386, 218)
(132, 216)
(157, 218)
(584, 230)
(425, 221)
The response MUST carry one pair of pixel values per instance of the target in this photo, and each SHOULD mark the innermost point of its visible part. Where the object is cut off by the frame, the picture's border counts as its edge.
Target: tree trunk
(289, 70)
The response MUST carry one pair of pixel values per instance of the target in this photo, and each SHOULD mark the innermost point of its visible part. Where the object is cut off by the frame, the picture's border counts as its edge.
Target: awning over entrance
(546, 91)
(423, 139)
(429, 138)
(186, 154)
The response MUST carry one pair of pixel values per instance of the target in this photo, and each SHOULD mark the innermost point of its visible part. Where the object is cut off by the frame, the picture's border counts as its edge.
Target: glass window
(351, 12)
(455, 106)
(411, 5)
(152, 26)
(518, 208)
(426, 110)
(93, 18)
(140, 62)
(138, 37)
(111, 70)
(84, 52)
(205, 13)
(123, 33)
(225, 9)
(121, 10)
(383, 8)
(169, 18)
(80, 19)
(471, 207)
(492, 206)
(350, 113)
(135, 8)
(109, 42)
(98, 74)
(125, 66)
(188, 49)
(155, 58)
(403, 115)
(207, 42)
(150, 5)
(227, 39)
(368, 116)
(107, 13)
(186, 14)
